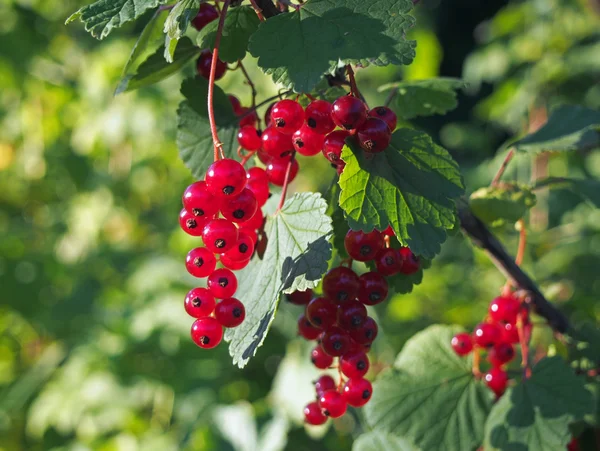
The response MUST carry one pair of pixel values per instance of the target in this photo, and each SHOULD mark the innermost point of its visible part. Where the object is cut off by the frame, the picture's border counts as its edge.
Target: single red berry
(225, 178)
(573, 445)
(410, 262)
(222, 283)
(307, 330)
(206, 15)
(332, 404)
(199, 302)
(234, 265)
(354, 365)
(191, 224)
(243, 249)
(220, 235)
(487, 334)
(241, 208)
(374, 135)
(373, 288)
(365, 334)
(258, 183)
(324, 383)
(276, 145)
(510, 333)
(501, 353)
(247, 117)
(287, 116)
(204, 62)
(318, 117)
(321, 312)
(363, 246)
(333, 145)
(351, 314)
(462, 343)
(198, 201)
(249, 138)
(307, 142)
(320, 359)
(341, 284)
(230, 312)
(357, 392)
(277, 169)
(300, 297)
(235, 102)
(348, 112)
(255, 222)
(497, 380)
(386, 115)
(505, 309)
(313, 414)
(200, 262)
(207, 332)
(388, 262)
(335, 341)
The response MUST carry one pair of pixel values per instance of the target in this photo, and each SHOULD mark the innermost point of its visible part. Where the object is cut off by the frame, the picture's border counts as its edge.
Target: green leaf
(424, 97)
(589, 189)
(402, 283)
(176, 24)
(410, 186)
(340, 226)
(382, 441)
(431, 397)
(497, 205)
(155, 68)
(295, 259)
(323, 33)
(194, 138)
(240, 24)
(102, 16)
(535, 415)
(569, 127)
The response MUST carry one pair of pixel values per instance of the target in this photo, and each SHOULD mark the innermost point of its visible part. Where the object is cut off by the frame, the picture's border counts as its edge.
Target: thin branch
(286, 181)
(390, 97)
(502, 168)
(249, 81)
(258, 10)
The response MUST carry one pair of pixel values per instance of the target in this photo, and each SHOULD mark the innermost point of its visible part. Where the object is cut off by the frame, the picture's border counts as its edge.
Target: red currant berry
(220, 235)
(204, 62)
(200, 262)
(318, 117)
(198, 201)
(363, 246)
(497, 380)
(199, 302)
(241, 208)
(386, 115)
(313, 414)
(335, 341)
(410, 262)
(366, 334)
(341, 284)
(320, 359)
(276, 145)
(300, 297)
(235, 103)
(234, 265)
(573, 445)
(307, 142)
(287, 116)
(388, 262)
(321, 312)
(258, 183)
(247, 117)
(348, 112)
(505, 309)
(332, 404)
(501, 353)
(462, 343)
(255, 222)
(374, 135)
(373, 288)
(249, 138)
(230, 312)
(222, 283)
(277, 169)
(510, 333)
(191, 224)
(357, 392)
(225, 178)
(351, 314)
(354, 365)
(207, 332)
(206, 15)
(324, 383)
(487, 334)
(243, 249)
(307, 330)
(333, 145)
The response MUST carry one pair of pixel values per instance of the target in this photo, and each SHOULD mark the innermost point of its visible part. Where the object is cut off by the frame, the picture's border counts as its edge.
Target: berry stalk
(286, 182)
(258, 10)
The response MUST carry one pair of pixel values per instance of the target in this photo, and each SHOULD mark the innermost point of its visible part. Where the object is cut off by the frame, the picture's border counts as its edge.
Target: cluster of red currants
(206, 15)
(339, 322)
(497, 337)
(225, 210)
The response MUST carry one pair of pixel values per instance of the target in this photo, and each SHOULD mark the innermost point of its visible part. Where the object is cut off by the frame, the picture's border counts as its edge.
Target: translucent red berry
(366, 333)
(247, 117)
(307, 142)
(318, 117)
(388, 262)
(487, 334)
(235, 102)
(191, 224)
(341, 284)
(225, 178)
(243, 249)
(204, 62)
(373, 135)
(335, 341)
(206, 15)
(222, 283)
(386, 115)
(357, 392)
(373, 288)
(241, 208)
(276, 144)
(320, 359)
(313, 414)
(351, 314)
(501, 353)
(230, 312)
(198, 201)
(258, 183)
(333, 145)
(249, 138)
(276, 171)
(321, 312)
(199, 302)
(509, 333)
(363, 246)
(505, 309)
(300, 297)
(219, 235)
(354, 365)
(324, 383)
(410, 262)
(332, 404)
(207, 332)
(287, 116)
(497, 380)
(255, 222)
(462, 343)
(348, 112)
(200, 262)
(573, 445)
(307, 330)
(234, 265)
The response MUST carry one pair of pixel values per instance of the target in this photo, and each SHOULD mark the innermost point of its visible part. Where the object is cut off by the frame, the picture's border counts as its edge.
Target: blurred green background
(94, 343)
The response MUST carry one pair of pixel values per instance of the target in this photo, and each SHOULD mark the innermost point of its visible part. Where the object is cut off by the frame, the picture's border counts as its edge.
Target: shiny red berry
(230, 312)
(235, 102)
(234, 265)
(462, 343)
(410, 262)
(501, 353)
(225, 178)
(243, 249)
(249, 138)
(365, 334)
(258, 183)
(200, 262)
(321, 312)
(241, 208)
(509, 333)
(351, 314)
(287, 116)
(207, 332)
(373, 135)
(348, 112)
(276, 171)
(320, 359)
(373, 288)
(333, 145)
(199, 302)
(300, 297)
(505, 309)
(191, 224)
(573, 445)
(222, 283)
(386, 115)
(255, 222)
(204, 62)
(357, 392)
(341, 284)
(388, 262)
(354, 365)
(363, 246)
(276, 145)
(198, 201)
(332, 404)
(313, 414)
(497, 380)
(335, 341)
(247, 117)
(487, 334)
(324, 383)
(318, 117)
(307, 142)
(307, 330)
(219, 235)
(206, 15)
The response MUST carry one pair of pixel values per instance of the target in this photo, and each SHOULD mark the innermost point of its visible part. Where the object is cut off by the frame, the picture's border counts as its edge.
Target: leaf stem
(503, 166)
(286, 182)
(258, 10)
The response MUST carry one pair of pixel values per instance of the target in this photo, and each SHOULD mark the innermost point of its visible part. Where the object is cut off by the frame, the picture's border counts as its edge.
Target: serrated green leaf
(535, 415)
(194, 138)
(102, 16)
(410, 186)
(340, 226)
(322, 33)
(382, 441)
(569, 127)
(498, 204)
(431, 397)
(240, 24)
(424, 97)
(295, 259)
(176, 24)
(155, 68)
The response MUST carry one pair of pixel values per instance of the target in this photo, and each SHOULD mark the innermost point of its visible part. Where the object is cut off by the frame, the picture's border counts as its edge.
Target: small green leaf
(535, 415)
(498, 204)
(431, 397)
(382, 441)
(410, 186)
(569, 127)
(102, 16)
(240, 24)
(176, 25)
(295, 259)
(424, 97)
(155, 68)
(194, 138)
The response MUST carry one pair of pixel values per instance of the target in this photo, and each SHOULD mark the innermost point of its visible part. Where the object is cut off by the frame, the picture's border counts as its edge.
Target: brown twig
(258, 10)
(503, 167)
